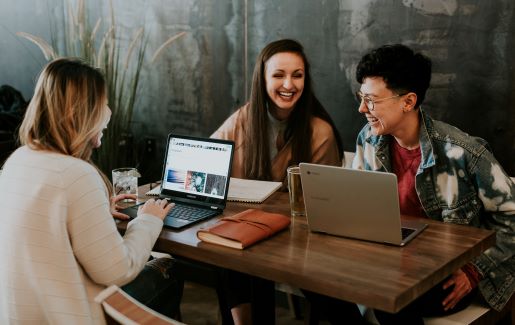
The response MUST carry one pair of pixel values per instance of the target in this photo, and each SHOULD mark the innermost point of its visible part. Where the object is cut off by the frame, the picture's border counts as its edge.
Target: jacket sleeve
(105, 256)
(359, 157)
(497, 264)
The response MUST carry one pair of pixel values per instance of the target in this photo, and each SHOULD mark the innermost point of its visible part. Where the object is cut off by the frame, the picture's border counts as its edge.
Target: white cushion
(466, 316)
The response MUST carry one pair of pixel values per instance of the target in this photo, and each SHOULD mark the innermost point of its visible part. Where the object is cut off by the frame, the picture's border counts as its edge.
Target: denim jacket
(459, 181)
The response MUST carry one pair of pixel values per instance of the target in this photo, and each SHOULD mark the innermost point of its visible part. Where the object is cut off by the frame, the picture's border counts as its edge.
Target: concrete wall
(203, 77)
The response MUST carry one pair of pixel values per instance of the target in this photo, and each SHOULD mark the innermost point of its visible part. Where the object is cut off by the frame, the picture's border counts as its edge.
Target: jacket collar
(426, 129)
(426, 146)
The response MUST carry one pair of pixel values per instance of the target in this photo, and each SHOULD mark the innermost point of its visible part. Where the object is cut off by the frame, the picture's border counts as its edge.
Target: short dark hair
(401, 69)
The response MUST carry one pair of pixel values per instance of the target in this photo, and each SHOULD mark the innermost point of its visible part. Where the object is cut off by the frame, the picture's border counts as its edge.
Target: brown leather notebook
(244, 229)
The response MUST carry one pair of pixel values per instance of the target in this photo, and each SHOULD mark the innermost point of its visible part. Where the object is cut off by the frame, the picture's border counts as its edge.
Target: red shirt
(405, 164)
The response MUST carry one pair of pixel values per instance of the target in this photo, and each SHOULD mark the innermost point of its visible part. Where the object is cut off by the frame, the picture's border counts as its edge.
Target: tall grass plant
(101, 46)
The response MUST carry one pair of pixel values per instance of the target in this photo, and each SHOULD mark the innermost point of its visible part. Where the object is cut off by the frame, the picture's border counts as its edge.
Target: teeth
(282, 93)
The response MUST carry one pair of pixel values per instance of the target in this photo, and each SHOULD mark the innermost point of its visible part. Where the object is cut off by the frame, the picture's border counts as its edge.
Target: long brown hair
(257, 164)
(68, 110)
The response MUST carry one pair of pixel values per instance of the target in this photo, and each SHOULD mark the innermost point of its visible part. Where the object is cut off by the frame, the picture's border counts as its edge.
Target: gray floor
(199, 306)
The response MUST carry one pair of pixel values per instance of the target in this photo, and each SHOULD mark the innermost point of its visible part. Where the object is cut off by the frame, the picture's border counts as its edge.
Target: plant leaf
(95, 30)
(139, 33)
(165, 44)
(101, 49)
(47, 50)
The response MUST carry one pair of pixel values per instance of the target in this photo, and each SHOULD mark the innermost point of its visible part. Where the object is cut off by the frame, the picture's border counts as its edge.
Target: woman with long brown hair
(59, 244)
(283, 123)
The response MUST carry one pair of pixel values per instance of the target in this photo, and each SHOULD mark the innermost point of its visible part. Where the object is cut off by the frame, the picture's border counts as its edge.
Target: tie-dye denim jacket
(459, 181)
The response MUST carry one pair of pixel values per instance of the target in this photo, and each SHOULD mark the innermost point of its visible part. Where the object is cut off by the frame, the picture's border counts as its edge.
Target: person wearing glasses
(442, 173)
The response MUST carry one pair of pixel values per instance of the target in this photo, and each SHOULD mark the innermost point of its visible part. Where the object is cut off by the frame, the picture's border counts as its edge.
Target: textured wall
(204, 76)
(20, 61)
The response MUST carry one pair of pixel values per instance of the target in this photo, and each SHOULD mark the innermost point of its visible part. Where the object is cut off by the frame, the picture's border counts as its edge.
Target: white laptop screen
(197, 167)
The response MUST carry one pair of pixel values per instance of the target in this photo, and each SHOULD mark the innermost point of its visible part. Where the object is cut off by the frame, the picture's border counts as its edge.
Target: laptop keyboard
(190, 213)
(187, 212)
(406, 232)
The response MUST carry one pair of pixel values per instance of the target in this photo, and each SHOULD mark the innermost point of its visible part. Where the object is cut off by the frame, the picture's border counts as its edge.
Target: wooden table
(376, 275)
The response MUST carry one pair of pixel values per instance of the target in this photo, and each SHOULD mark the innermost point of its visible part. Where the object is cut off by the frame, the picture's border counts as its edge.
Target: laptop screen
(197, 169)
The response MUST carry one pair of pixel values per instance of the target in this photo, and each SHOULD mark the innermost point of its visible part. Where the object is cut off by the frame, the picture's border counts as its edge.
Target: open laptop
(355, 203)
(196, 174)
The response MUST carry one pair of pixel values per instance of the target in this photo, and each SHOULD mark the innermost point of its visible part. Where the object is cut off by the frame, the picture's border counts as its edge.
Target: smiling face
(388, 115)
(393, 113)
(284, 77)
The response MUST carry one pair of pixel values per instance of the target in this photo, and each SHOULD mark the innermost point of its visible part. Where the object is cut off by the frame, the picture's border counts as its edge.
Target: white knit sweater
(59, 245)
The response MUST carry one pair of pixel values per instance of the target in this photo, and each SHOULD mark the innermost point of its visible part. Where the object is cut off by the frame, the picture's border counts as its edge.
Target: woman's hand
(158, 208)
(461, 288)
(115, 207)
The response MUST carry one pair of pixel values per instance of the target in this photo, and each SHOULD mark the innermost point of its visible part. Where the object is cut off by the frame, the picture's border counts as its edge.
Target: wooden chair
(120, 308)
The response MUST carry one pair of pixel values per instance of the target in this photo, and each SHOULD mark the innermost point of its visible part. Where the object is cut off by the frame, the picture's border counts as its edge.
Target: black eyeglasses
(370, 102)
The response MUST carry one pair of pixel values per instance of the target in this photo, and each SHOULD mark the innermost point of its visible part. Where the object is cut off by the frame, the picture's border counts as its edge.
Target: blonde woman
(59, 244)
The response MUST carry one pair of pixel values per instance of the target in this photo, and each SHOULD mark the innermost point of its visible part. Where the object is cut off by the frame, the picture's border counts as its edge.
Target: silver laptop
(355, 203)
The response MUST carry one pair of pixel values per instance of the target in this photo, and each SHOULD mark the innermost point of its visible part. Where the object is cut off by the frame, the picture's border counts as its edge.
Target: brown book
(244, 229)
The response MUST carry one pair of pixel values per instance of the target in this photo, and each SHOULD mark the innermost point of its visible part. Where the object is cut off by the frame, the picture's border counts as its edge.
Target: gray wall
(204, 76)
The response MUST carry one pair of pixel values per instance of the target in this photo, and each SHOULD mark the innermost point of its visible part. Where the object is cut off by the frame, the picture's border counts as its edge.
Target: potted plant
(122, 69)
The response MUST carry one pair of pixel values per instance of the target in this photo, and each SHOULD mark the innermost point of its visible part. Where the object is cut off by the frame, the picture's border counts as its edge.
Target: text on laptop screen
(198, 167)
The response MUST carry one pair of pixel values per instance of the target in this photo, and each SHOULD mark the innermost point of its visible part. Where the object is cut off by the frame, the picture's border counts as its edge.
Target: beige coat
(324, 147)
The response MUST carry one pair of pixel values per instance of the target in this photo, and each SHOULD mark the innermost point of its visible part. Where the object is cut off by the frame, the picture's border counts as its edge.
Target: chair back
(120, 308)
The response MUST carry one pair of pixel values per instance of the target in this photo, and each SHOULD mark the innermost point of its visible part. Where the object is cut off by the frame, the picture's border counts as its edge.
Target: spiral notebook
(243, 190)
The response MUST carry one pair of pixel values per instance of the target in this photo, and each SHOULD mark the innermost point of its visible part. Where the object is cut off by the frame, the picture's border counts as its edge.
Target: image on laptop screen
(197, 167)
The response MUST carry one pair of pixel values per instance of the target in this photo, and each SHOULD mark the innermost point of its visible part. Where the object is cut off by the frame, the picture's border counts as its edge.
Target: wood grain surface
(376, 275)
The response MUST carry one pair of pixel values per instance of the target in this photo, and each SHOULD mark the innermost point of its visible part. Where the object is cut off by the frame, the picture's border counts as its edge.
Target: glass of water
(125, 181)
(295, 189)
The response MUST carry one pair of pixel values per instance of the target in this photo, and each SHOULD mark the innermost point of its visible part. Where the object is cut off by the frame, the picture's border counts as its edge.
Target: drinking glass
(295, 189)
(125, 181)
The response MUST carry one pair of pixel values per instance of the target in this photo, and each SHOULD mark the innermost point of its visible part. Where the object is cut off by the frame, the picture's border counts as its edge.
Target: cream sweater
(59, 246)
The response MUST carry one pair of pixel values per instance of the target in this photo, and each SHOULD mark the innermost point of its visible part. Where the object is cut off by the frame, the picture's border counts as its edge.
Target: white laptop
(355, 203)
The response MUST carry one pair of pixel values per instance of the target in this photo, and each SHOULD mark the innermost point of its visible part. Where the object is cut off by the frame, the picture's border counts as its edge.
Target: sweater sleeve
(325, 147)
(105, 256)
(227, 131)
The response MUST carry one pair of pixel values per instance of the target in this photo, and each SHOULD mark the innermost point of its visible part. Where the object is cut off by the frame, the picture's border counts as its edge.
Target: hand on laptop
(115, 207)
(158, 208)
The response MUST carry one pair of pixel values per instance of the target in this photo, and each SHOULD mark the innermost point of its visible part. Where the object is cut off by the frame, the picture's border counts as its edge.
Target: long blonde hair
(68, 110)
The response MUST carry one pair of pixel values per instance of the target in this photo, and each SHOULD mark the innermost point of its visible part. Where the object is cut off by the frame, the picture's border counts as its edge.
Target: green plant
(122, 69)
